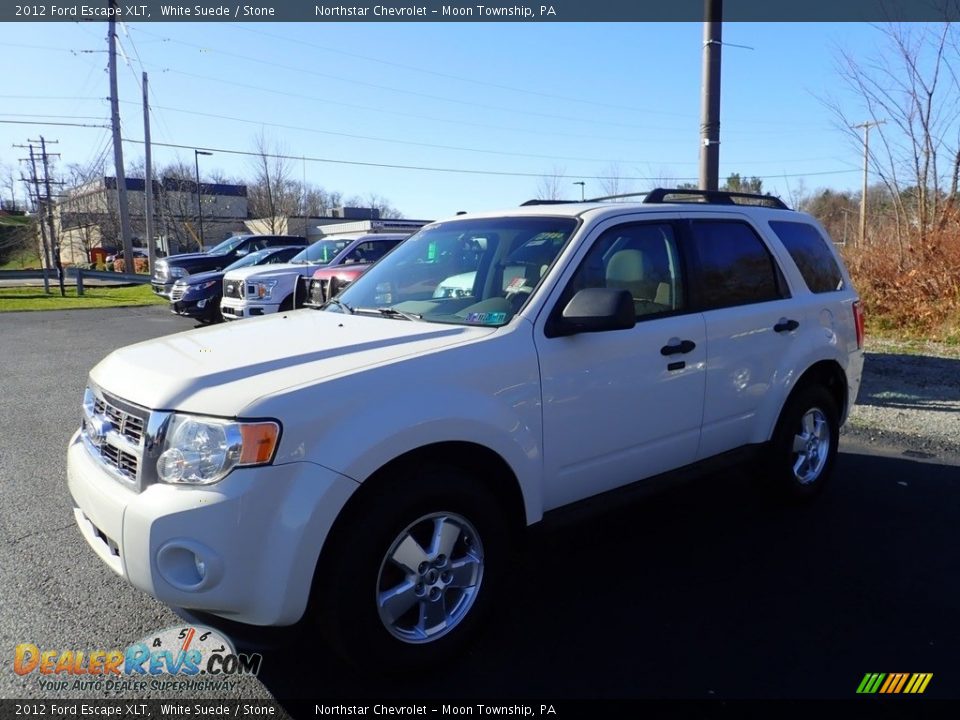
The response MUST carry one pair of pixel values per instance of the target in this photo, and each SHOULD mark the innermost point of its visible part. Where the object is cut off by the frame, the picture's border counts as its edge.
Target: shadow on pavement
(707, 590)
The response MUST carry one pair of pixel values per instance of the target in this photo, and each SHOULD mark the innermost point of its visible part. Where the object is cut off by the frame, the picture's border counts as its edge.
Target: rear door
(751, 323)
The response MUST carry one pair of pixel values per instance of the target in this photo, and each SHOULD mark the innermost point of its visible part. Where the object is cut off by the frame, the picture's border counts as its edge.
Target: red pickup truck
(330, 279)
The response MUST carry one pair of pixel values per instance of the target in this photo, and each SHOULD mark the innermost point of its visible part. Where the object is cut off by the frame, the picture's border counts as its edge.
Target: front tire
(805, 442)
(409, 576)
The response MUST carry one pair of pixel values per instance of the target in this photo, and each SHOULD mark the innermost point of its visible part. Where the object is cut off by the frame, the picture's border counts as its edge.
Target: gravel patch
(911, 402)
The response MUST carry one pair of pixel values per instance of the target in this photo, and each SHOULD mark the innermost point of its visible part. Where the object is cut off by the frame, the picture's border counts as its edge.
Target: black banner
(431, 11)
(874, 706)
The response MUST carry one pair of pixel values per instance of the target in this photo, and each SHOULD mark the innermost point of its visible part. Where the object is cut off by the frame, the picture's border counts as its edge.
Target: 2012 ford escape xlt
(369, 465)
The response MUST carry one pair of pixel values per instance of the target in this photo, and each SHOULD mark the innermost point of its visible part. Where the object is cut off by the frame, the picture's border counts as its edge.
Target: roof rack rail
(617, 197)
(659, 196)
(715, 197)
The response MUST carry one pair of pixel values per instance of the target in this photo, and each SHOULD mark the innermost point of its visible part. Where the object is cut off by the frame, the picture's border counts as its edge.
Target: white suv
(369, 465)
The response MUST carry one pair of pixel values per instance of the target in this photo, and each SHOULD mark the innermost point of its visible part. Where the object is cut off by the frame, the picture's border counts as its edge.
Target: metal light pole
(196, 162)
(582, 185)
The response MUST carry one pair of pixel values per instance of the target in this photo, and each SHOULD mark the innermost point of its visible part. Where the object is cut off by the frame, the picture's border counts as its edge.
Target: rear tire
(804, 446)
(409, 576)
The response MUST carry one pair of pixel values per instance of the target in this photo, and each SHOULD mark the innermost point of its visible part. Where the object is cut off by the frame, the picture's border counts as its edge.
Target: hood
(187, 257)
(279, 270)
(263, 272)
(352, 271)
(221, 370)
(198, 261)
(201, 277)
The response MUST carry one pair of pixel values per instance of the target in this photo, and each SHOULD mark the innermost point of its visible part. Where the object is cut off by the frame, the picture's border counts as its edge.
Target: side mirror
(597, 310)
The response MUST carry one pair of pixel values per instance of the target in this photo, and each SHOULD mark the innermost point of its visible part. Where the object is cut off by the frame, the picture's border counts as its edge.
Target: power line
(390, 140)
(459, 78)
(415, 93)
(465, 171)
(61, 124)
(449, 76)
(57, 117)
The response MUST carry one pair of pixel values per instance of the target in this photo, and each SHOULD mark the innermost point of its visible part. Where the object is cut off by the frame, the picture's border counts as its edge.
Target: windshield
(470, 272)
(321, 252)
(253, 258)
(227, 245)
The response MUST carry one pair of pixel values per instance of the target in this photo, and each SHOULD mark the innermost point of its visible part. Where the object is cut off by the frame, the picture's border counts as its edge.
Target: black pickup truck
(171, 269)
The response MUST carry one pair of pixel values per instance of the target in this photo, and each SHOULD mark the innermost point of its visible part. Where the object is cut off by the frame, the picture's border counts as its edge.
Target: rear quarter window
(812, 255)
(735, 266)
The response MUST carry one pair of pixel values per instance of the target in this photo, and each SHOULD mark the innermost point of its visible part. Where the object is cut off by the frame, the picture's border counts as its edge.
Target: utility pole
(148, 181)
(54, 245)
(866, 160)
(196, 161)
(710, 96)
(118, 144)
(37, 203)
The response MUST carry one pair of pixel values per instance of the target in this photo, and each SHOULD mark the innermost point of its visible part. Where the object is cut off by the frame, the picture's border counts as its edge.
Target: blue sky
(541, 99)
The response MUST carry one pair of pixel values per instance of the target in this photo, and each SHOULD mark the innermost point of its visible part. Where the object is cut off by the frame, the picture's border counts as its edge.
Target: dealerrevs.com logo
(181, 653)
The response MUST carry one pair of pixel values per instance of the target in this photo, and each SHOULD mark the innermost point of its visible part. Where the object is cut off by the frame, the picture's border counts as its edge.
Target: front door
(623, 405)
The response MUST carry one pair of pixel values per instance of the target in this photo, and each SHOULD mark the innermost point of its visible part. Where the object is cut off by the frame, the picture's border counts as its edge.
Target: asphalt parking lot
(707, 590)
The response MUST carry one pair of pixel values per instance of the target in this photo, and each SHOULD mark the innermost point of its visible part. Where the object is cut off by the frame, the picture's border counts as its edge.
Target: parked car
(333, 277)
(368, 468)
(171, 269)
(252, 292)
(119, 255)
(198, 296)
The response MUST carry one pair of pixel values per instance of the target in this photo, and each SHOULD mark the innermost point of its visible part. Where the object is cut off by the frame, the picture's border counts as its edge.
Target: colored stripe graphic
(894, 683)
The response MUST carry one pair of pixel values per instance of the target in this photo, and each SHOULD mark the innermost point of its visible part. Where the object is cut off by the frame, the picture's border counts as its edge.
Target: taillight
(858, 321)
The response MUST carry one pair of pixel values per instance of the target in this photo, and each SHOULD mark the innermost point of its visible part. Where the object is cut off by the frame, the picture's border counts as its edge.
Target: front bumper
(238, 309)
(191, 308)
(162, 289)
(244, 548)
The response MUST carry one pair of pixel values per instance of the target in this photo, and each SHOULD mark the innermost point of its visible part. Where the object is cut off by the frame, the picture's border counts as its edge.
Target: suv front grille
(127, 424)
(177, 292)
(318, 291)
(113, 433)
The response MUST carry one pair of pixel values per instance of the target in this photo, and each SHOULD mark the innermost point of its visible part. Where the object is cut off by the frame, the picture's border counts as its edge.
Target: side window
(810, 252)
(735, 266)
(377, 250)
(640, 258)
(360, 254)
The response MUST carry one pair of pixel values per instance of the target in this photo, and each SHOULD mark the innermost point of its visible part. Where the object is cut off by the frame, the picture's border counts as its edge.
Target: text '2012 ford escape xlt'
(369, 464)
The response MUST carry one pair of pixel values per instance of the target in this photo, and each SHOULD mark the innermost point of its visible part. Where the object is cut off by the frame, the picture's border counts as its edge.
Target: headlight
(178, 272)
(264, 289)
(201, 286)
(201, 451)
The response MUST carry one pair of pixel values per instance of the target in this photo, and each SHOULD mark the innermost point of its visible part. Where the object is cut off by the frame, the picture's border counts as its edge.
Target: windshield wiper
(389, 312)
(340, 303)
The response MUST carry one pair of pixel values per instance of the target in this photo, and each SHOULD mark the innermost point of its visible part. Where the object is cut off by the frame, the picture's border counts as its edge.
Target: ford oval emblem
(99, 428)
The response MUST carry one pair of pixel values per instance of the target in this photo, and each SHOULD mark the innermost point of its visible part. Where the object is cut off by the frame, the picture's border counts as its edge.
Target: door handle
(678, 347)
(786, 325)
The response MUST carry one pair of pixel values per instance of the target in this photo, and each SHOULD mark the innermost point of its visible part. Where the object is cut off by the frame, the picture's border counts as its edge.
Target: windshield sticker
(493, 318)
(517, 282)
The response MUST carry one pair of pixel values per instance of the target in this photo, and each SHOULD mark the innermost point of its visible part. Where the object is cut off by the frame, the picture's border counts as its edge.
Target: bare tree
(9, 180)
(552, 186)
(274, 194)
(613, 182)
(908, 92)
(375, 202)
